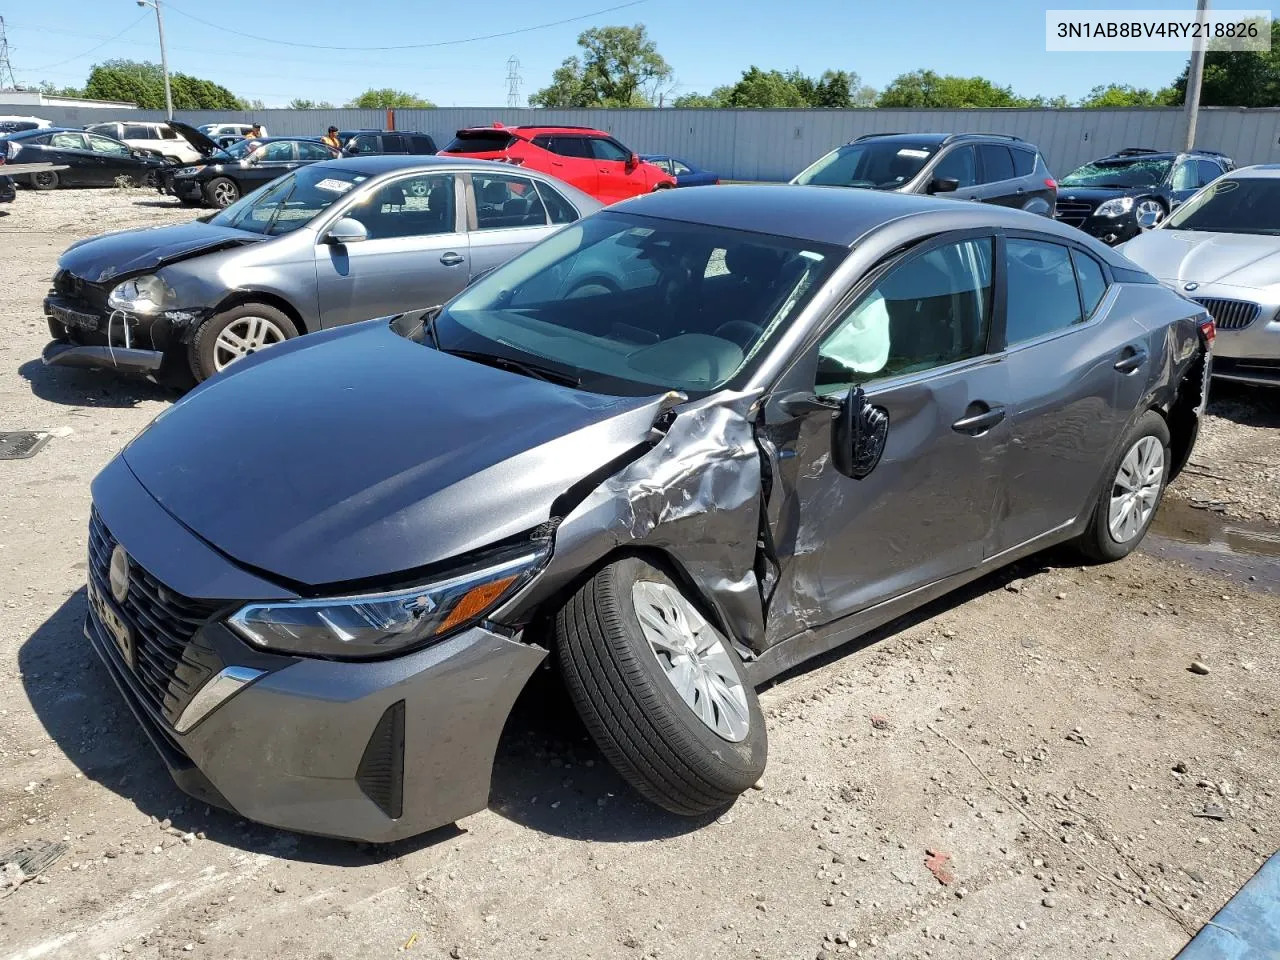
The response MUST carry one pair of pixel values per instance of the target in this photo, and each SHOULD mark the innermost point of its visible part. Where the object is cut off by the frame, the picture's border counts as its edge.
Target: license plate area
(73, 318)
(113, 623)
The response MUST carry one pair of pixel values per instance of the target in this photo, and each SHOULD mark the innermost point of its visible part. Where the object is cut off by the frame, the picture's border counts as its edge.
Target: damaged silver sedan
(679, 447)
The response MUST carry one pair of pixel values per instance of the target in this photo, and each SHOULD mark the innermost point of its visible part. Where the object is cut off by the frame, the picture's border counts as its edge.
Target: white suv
(147, 135)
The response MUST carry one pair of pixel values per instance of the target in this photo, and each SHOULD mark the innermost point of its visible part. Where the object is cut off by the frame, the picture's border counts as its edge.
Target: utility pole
(513, 82)
(164, 57)
(1195, 76)
(7, 80)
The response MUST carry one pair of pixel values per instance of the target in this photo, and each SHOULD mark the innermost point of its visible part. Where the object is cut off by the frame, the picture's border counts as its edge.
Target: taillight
(1208, 330)
(1051, 183)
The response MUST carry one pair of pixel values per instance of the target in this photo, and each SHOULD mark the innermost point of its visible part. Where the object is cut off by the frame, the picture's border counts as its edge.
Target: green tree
(53, 90)
(757, 88)
(388, 98)
(925, 88)
(142, 83)
(618, 67)
(1246, 79)
(697, 101)
(1123, 95)
(300, 104)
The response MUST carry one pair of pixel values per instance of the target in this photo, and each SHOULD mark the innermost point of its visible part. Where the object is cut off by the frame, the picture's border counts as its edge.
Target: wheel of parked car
(1149, 212)
(45, 180)
(222, 192)
(1130, 498)
(660, 689)
(236, 333)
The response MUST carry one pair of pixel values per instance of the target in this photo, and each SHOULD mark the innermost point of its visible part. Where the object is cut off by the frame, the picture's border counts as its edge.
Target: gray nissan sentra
(767, 420)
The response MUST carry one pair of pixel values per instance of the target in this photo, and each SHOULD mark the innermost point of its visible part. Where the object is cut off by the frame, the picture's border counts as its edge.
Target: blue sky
(707, 42)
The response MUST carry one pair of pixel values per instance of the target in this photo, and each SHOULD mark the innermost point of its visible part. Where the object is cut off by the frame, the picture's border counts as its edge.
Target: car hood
(1097, 195)
(111, 255)
(1190, 256)
(357, 454)
(203, 144)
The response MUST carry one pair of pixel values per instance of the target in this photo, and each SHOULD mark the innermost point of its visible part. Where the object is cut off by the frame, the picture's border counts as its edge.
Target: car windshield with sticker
(290, 202)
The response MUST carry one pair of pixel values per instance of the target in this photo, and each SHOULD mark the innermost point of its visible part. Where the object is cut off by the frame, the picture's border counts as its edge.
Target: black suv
(363, 142)
(1117, 197)
(991, 167)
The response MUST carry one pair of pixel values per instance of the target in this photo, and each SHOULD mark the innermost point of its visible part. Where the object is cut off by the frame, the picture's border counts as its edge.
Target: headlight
(145, 294)
(186, 172)
(1115, 208)
(379, 625)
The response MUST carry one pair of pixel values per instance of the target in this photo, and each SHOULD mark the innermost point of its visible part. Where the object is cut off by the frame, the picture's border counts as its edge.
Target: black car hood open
(112, 255)
(203, 144)
(357, 454)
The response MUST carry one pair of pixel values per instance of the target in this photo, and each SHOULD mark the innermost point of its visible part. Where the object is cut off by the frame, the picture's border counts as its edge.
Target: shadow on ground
(1243, 404)
(81, 709)
(75, 387)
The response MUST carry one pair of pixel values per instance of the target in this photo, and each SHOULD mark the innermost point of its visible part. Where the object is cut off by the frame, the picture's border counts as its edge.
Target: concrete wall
(776, 144)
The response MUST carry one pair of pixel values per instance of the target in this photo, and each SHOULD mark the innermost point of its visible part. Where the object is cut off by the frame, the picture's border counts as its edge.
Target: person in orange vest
(330, 139)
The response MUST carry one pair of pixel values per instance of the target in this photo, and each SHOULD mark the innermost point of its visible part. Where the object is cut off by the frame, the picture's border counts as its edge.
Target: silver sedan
(329, 244)
(1222, 249)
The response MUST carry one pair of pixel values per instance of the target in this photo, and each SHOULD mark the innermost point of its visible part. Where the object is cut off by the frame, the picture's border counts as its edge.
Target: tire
(622, 688)
(222, 192)
(256, 324)
(1100, 541)
(45, 180)
(1156, 208)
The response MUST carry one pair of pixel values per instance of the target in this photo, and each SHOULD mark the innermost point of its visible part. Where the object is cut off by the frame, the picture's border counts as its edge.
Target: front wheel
(659, 688)
(1129, 501)
(235, 334)
(222, 192)
(1149, 213)
(45, 180)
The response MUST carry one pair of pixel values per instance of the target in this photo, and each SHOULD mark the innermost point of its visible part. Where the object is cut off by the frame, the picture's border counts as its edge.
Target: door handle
(1131, 360)
(451, 259)
(979, 423)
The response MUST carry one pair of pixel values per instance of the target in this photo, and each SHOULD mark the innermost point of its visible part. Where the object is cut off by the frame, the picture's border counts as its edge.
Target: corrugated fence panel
(776, 144)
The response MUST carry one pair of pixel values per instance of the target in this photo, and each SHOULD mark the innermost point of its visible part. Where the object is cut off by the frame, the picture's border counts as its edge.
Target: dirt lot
(1095, 797)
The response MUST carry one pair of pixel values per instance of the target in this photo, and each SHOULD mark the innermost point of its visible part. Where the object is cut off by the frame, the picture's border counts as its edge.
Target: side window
(560, 210)
(415, 207)
(108, 129)
(366, 143)
(279, 150)
(314, 151)
(392, 143)
(679, 169)
(1185, 176)
(544, 141)
(167, 134)
(136, 131)
(504, 201)
(67, 141)
(997, 164)
(1042, 296)
(608, 150)
(1209, 171)
(422, 145)
(1093, 284)
(111, 148)
(929, 311)
(571, 147)
(1024, 162)
(959, 165)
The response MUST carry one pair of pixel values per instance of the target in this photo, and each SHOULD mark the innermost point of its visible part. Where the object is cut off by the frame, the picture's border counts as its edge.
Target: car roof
(524, 131)
(376, 164)
(827, 215)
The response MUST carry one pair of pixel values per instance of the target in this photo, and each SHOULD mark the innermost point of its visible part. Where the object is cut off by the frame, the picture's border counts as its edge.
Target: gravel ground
(1085, 792)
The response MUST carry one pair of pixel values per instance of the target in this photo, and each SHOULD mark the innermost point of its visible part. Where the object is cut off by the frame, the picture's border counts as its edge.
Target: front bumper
(184, 188)
(86, 335)
(365, 751)
(1110, 230)
(1247, 346)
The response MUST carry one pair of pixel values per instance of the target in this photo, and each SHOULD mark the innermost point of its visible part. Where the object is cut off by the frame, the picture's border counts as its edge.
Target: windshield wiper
(537, 371)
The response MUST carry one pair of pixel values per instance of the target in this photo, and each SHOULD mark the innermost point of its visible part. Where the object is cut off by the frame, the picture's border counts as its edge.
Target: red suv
(589, 159)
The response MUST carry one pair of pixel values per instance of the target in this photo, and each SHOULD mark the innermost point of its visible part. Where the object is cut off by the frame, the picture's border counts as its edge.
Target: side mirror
(858, 434)
(346, 231)
(633, 161)
(944, 185)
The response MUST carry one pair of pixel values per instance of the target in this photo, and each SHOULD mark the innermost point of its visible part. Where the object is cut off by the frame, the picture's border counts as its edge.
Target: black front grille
(1073, 212)
(1230, 314)
(168, 667)
(82, 292)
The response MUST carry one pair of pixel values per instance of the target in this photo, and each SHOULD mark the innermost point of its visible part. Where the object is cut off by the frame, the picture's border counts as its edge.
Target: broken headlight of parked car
(146, 294)
(384, 624)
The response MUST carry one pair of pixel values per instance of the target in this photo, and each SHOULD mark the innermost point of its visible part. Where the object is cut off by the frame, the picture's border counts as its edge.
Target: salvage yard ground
(1029, 769)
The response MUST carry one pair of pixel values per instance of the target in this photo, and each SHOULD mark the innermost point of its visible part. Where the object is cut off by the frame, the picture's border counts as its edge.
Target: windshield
(1118, 173)
(629, 305)
(1237, 205)
(877, 164)
(290, 202)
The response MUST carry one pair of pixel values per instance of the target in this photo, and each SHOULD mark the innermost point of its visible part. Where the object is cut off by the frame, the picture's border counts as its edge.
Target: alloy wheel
(1149, 213)
(1136, 489)
(243, 336)
(694, 658)
(224, 194)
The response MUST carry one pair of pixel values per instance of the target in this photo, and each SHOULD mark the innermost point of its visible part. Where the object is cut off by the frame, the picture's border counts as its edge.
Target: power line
(407, 46)
(50, 66)
(513, 82)
(6, 68)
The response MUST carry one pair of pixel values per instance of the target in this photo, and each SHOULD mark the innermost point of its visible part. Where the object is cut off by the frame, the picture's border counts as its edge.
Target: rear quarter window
(1024, 162)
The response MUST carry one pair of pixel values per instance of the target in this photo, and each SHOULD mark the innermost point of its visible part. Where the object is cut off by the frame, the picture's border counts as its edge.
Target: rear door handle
(979, 423)
(1131, 360)
(451, 259)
